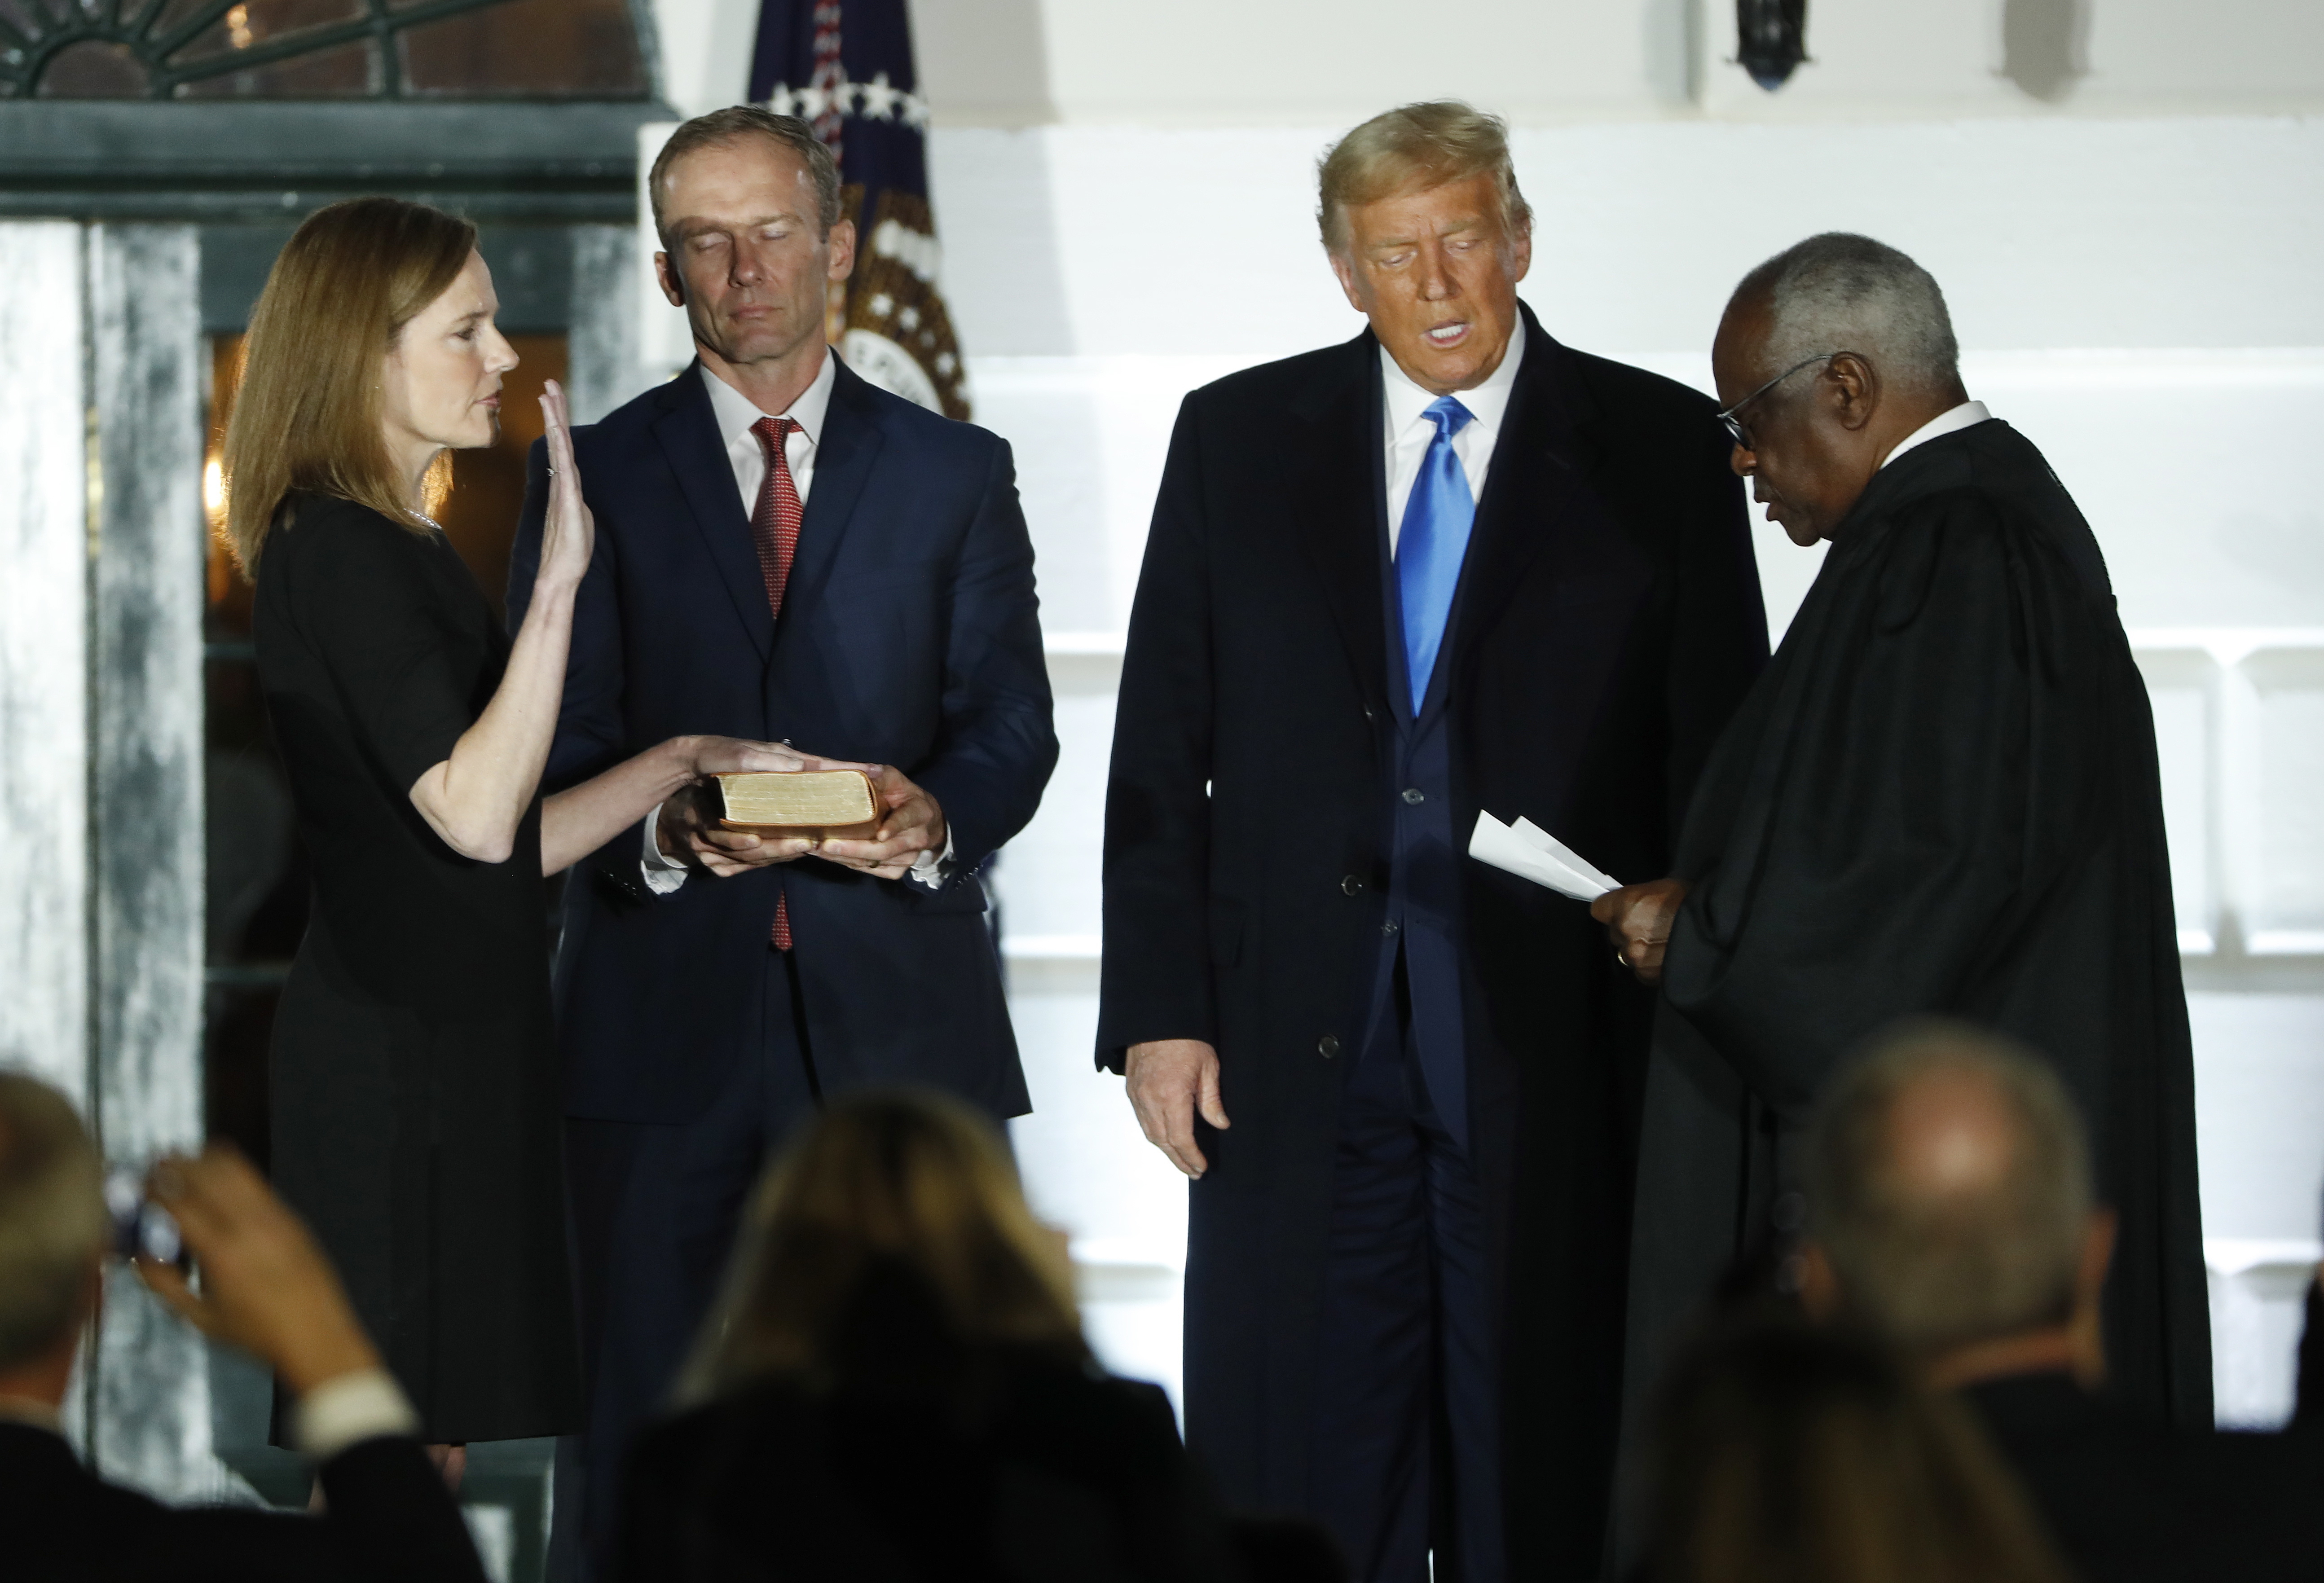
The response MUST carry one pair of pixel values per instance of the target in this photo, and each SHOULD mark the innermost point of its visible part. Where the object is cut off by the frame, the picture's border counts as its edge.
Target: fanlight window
(320, 50)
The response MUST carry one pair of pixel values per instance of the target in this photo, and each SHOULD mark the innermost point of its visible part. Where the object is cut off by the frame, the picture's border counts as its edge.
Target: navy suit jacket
(909, 636)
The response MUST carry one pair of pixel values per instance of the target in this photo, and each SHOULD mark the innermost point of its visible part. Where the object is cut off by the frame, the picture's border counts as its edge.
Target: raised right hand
(568, 532)
(1169, 1081)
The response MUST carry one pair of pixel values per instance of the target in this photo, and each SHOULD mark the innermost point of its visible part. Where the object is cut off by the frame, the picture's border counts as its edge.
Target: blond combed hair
(1426, 144)
(308, 412)
(889, 1179)
(53, 1224)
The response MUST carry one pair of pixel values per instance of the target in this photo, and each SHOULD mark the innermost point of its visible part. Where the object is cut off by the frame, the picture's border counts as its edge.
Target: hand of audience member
(1638, 920)
(1169, 1080)
(911, 824)
(266, 1286)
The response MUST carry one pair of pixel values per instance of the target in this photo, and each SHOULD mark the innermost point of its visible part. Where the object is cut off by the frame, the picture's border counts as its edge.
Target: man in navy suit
(786, 553)
(1448, 565)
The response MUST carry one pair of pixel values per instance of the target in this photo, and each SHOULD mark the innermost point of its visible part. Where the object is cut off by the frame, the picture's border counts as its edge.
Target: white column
(45, 485)
(152, 1403)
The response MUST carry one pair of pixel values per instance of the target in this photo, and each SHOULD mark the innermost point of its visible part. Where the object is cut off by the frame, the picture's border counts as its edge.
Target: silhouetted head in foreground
(1952, 1209)
(888, 1240)
(1784, 1453)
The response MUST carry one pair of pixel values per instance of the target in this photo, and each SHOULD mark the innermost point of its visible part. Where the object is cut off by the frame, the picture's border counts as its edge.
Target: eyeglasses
(1740, 435)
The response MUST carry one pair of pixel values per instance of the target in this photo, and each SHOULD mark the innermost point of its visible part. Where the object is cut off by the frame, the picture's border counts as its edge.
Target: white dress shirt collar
(736, 412)
(1942, 425)
(1487, 404)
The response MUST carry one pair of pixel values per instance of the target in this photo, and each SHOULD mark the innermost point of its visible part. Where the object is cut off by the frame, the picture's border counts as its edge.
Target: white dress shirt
(1408, 433)
(737, 415)
(1937, 427)
(348, 1409)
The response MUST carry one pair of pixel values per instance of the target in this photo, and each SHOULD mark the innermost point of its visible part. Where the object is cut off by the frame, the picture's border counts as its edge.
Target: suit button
(1390, 927)
(1352, 885)
(1412, 794)
(1327, 1046)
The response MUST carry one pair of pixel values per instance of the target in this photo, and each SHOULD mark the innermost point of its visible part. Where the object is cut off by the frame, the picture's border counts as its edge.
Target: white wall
(1332, 63)
(1124, 192)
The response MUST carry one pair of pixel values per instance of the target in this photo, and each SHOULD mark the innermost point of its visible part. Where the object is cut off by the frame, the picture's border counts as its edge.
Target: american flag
(846, 68)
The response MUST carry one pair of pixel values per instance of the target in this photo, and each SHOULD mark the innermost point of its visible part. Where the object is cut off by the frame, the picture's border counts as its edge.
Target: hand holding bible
(1638, 919)
(692, 822)
(911, 824)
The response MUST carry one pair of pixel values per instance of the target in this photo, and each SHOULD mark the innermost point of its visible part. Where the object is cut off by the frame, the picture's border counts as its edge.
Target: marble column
(150, 1409)
(100, 759)
(601, 343)
(45, 483)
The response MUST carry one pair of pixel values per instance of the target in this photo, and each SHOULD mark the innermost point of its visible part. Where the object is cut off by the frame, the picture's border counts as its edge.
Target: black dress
(415, 1107)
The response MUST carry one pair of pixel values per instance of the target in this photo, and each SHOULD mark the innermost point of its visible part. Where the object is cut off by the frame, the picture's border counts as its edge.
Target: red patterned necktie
(775, 528)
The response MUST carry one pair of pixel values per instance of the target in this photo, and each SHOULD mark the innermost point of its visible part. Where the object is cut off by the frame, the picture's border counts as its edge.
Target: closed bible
(834, 804)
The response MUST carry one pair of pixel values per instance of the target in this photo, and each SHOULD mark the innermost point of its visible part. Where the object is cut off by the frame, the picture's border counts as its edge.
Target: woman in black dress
(416, 1121)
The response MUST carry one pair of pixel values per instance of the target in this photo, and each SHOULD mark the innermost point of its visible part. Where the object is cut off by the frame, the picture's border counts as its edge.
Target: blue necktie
(1431, 544)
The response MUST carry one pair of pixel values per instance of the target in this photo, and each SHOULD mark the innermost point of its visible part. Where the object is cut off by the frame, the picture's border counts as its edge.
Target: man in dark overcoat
(1447, 566)
(1941, 798)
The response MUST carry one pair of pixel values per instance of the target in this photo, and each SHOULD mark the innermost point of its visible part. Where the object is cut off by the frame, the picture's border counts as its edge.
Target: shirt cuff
(360, 1406)
(932, 869)
(661, 874)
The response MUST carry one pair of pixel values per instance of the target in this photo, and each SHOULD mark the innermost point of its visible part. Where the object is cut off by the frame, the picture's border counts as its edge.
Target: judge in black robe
(1941, 796)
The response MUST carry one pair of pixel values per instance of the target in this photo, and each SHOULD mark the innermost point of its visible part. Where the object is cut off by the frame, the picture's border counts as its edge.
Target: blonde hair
(1426, 144)
(306, 414)
(901, 1181)
(1781, 1451)
(53, 1223)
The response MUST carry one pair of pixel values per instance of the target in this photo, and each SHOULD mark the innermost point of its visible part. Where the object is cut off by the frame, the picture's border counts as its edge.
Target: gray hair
(53, 1224)
(1437, 141)
(1840, 292)
(1933, 1266)
(723, 129)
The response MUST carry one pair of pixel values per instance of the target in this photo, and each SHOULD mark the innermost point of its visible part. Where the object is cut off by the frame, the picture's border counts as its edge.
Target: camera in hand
(142, 1229)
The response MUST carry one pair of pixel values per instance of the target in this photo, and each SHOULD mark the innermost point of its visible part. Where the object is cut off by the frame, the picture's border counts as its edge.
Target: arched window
(320, 50)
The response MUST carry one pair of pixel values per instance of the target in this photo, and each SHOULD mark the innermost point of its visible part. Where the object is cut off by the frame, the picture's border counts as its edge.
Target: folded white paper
(1531, 852)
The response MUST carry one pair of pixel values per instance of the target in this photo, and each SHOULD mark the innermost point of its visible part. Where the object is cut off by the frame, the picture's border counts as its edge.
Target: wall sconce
(1771, 38)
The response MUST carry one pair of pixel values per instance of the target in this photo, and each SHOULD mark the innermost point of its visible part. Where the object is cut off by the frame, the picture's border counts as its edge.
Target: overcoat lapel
(1337, 502)
(843, 459)
(1537, 497)
(687, 432)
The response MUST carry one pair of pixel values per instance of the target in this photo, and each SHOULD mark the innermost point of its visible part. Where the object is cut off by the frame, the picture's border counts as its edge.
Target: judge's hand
(266, 1287)
(1638, 919)
(910, 824)
(688, 828)
(1169, 1080)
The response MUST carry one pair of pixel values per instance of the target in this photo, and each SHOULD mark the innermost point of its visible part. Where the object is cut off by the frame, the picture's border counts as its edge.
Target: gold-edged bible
(832, 805)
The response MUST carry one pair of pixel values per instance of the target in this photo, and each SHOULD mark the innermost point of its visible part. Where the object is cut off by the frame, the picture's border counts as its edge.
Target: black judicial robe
(1941, 796)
